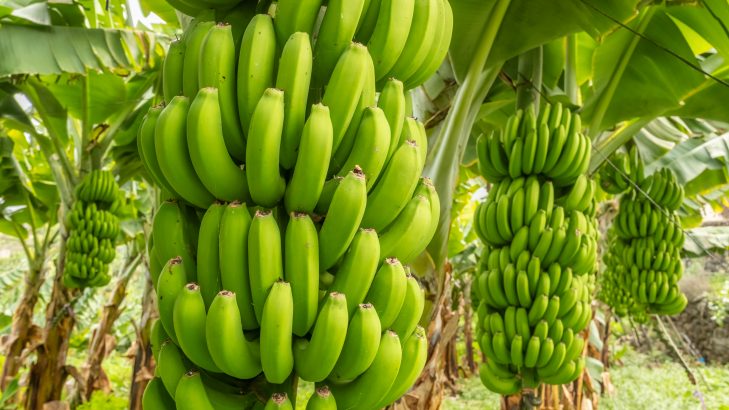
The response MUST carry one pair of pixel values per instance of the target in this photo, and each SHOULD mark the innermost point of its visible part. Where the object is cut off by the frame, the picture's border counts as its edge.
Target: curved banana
(174, 232)
(217, 69)
(191, 394)
(439, 51)
(279, 401)
(228, 346)
(387, 292)
(189, 320)
(294, 77)
(358, 268)
(265, 182)
(265, 262)
(414, 356)
(172, 70)
(301, 270)
(156, 397)
(360, 345)
(171, 366)
(256, 62)
(411, 311)
(373, 384)
(421, 39)
(173, 154)
(147, 151)
(322, 399)
(194, 39)
(391, 34)
(343, 218)
(295, 16)
(393, 104)
(335, 33)
(208, 152)
(371, 145)
(305, 187)
(406, 237)
(277, 356)
(208, 258)
(315, 358)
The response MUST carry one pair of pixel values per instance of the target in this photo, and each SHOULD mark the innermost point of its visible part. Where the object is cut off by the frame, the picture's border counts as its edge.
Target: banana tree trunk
(23, 330)
(48, 374)
(144, 364)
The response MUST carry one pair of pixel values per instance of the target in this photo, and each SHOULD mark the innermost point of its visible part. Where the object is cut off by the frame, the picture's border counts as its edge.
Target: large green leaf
(527, 24)
(107, 95)
(57, 49)
(705, 239)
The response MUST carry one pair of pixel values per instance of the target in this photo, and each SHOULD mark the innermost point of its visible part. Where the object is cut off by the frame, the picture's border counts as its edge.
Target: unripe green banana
(394, 189)
(170, 284)
(147, 151)
(190, 393)
(256, 62)
(306, 184)
(393, 103)
(294, 76)
(406, 237)
(174, 232)
(314, 359)
(374, 383)
(217, 69)
(391, 34)
(277, 357)
(438, 53)
(157, 336)
(322, 399)
(194, 39)
(279, 401)
(421, 39)
(368, 21)
(156, 397)
(495, 383)
(358, 268)
(233, 251)
(171, 366)
(387, 292)
(301, 270)
(189, 321)
(335, 33)
(265, 265)
(208, 259)
(346, 85)
(172, 70)
(414, 356)
(343, 218)
(371, 145)
(265, 182)
(295, 16)
(173, 154)
(360, 346)
(228, 346)
(411, 311)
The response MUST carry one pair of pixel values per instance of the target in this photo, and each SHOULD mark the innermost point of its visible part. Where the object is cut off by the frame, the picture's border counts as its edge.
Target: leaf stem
(529, 78)
(571, 86)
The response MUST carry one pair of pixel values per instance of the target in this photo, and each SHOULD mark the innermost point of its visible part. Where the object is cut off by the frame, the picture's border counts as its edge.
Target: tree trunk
(23, 331)
(48, 374)
(470, 358)
(143, 360)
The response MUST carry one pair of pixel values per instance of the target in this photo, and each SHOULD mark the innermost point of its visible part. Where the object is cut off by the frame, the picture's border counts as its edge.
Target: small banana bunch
(93, 226)
(295, 204)
(644, 258)
(540, 236)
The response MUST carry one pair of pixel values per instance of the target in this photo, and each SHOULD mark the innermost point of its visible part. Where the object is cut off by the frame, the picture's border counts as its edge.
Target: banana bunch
(93, 226)
(540, 235)
(614, 176)
(295, 201)
(644, 258)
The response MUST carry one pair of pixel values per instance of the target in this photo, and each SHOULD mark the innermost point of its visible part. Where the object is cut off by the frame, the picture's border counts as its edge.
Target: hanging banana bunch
(93, 227)
(540, 237)
(643, 263)
(295, 202)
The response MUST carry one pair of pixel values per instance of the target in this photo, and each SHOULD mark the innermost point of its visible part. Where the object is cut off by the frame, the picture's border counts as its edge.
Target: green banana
(208, 260)
(190, 393)
(392, 102)
(157, 336)
(358, 268)
(256, 61)
(210, 159)
(421, 39)
(277, 358)
(265, 264)
(170, 284)
(156, 397)
(217, 69)
(194, 39)
(295, 16)
(335, 33)
(495, 383)
(439, 52)
(233, 257)
(265, 182)
(374, 383)
(228, 346)
(172, 70)
(414, 356)
(322, 399)
(370, 147)
(406, 237)
(171, 366)
(147, 151)
(314, 359)
(343, 218)
(306, 184)
(175, 231)
(189, 322)
(294, 77)
(301, 270)
(173, 154)
(360, 346)
(412, 309)
(390, 34)
(279, 401)
(387, 292)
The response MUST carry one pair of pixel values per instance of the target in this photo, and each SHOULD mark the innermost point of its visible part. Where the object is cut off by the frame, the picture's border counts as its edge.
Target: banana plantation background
(78, 76)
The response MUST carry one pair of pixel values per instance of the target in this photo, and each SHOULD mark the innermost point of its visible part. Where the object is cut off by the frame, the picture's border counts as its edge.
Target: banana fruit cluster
(93, 226)
(540, 235)
(643, 264)
(292, 172)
